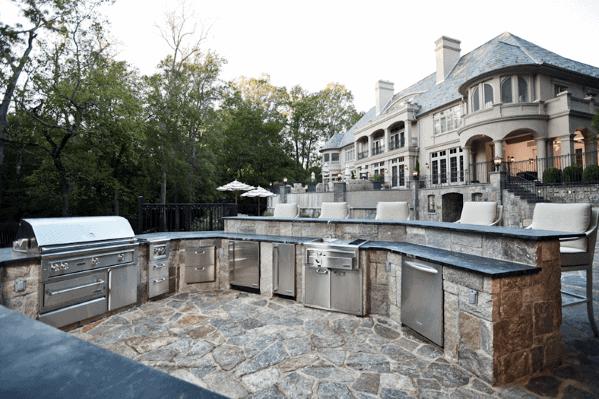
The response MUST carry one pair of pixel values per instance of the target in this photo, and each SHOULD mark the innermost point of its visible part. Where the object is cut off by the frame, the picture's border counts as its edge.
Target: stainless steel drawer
(346, 291)
(74, 290)
(317, 291)
(75, 313)
(199, 274)
(199, 256)
(158, 269)
(157, 286)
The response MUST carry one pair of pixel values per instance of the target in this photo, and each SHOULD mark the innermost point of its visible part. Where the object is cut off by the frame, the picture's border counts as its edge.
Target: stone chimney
(448, 53)
(383, 92)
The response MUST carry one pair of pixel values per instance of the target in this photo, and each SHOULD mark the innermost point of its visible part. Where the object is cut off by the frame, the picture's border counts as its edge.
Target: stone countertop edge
(8, 257)
(146, 239)
(488, 267)
(510, 232)
(41, 361)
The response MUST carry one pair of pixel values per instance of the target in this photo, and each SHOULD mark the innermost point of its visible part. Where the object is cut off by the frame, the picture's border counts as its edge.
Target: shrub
(376, 178)
(591, 173)
(552, 175)
(572, 173)
(267, 213)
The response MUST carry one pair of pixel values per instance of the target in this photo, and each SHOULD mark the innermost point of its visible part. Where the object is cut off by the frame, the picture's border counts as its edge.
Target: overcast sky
(312, 43)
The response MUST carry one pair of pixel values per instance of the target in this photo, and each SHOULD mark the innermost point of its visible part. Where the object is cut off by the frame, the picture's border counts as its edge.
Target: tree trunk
(116, 202)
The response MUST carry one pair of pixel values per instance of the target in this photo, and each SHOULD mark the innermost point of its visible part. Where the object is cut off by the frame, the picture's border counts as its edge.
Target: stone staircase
(525, 190)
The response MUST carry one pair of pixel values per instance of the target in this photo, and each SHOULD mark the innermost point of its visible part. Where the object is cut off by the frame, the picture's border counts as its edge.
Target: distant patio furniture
(334, 210)
(392, 211)
(482, 213)
(286, 211)
(576, 254)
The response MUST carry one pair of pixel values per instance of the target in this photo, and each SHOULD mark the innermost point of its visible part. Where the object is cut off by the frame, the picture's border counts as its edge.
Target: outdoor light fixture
(415, 173)
(427, 165)
(512, 159)
(407, 167)
(497, 161)
(285, 180)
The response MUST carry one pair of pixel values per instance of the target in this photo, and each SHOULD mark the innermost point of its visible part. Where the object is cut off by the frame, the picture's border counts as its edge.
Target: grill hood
(44, 234)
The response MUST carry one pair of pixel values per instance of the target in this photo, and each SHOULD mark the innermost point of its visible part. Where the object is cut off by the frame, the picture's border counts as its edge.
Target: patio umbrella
(235, 186)
(258, 192)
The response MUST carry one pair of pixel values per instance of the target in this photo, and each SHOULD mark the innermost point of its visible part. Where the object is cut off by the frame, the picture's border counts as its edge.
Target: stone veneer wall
(24, 302)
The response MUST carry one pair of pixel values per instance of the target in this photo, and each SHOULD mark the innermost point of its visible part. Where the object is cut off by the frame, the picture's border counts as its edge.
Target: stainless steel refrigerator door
(346, 291)
(284, 269)
(422, 298)
(244, 263)
(317, 287)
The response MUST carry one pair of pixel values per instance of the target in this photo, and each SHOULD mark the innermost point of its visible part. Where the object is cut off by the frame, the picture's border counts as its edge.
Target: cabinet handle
(203, 268)
(200, 253)
(160, 281)
(340, 273)
(421, 267)
(320, 271)
(156, 266)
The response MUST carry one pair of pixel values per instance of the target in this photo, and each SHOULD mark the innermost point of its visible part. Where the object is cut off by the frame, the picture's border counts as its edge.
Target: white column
(387, 136)
(369, 144)
(567, 147)
(467, 171)
(408, 131)
(498, 148)
(541, 156)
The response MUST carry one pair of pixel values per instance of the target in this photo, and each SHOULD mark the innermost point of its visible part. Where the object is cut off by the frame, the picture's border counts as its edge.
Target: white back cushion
(575, 218)
(285, 210)
(392, 211)
(479, 213)
(333, 210)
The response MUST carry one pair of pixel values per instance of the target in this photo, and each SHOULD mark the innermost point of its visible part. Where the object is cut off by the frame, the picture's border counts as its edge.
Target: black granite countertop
(477, 264)
(39, 361)
(511, 232)
(194, 235)
(9, 257)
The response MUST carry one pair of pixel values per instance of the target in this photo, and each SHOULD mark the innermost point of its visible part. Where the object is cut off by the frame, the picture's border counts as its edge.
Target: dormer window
(506, 90)
(488, 89)
(559, 89)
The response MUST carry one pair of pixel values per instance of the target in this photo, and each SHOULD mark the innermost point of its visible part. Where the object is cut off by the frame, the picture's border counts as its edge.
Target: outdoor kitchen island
(511, 330)
(501, 286)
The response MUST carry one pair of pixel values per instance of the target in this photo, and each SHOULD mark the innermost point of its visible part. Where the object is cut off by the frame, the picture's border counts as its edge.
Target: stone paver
(245, 346)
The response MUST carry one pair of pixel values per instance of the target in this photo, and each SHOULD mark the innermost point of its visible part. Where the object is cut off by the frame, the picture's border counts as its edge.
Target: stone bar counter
(514, 328)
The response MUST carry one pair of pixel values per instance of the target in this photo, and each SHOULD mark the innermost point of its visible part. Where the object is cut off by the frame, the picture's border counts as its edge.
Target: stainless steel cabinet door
(346, 291)
(284, 269)
(317, 287)
(244, 263)
(122, 286)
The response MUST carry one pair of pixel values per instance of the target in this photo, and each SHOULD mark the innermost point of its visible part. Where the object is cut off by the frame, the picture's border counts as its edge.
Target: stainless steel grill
(88, 267)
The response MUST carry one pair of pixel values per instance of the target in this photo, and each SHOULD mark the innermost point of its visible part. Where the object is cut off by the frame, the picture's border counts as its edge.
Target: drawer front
(199, 274)
(75, 313)
(199, 256)
(75, 290)
(157, 286)
(158, 269)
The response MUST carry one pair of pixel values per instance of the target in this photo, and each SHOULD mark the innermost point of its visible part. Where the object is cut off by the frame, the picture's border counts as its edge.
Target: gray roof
(505, 50)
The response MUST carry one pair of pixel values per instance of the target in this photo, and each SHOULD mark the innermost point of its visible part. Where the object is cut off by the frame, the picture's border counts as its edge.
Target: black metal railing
(378, 149)
(362, 154)
(473, 174)
(183, 217)
(580, 167)
(8, 233)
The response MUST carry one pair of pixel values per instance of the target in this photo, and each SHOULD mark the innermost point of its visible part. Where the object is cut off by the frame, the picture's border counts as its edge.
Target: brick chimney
(383, 92)
(448, 53)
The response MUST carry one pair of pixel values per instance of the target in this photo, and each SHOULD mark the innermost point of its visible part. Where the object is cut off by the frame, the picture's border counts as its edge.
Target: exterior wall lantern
(427, 165)
(285, 180)
(497, 161)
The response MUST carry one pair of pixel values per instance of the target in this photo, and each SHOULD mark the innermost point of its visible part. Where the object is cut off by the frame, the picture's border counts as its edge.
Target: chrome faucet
(331, 234)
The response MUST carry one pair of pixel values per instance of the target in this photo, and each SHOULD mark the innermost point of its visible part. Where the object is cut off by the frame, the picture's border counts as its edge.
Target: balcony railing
(394, 145)
(362, 154)
(474, 174)
(378, 149)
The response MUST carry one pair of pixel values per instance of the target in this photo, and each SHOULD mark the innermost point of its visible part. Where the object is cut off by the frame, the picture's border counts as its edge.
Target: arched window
(488, 95)
(475, 100)
(506, 90)
(522, 90)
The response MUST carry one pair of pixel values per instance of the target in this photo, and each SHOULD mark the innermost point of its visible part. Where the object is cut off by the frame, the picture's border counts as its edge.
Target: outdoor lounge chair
(482, 213)
(392, 211)
(286, 210)
(334, 210)
(576, 254)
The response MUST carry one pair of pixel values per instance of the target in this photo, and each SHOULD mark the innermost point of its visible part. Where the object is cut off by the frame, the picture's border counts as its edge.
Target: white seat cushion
(575, 218)
(285, 210)
(392, 211)
(483, 213)
(333, 210)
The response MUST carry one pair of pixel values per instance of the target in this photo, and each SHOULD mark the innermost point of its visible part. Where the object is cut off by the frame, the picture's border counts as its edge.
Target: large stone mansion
(507, 99)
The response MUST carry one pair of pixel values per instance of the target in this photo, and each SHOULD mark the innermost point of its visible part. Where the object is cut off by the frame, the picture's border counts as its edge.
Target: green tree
(337, 112)
(302, 125)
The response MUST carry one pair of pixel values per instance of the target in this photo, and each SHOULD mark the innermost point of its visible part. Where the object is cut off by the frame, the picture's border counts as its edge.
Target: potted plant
(311, 185)
(377, 181)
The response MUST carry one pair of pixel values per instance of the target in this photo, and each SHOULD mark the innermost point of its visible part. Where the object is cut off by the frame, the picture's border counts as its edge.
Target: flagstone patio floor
(245, 345)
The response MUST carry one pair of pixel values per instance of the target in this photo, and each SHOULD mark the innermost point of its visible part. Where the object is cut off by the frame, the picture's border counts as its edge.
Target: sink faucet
(331, 234)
